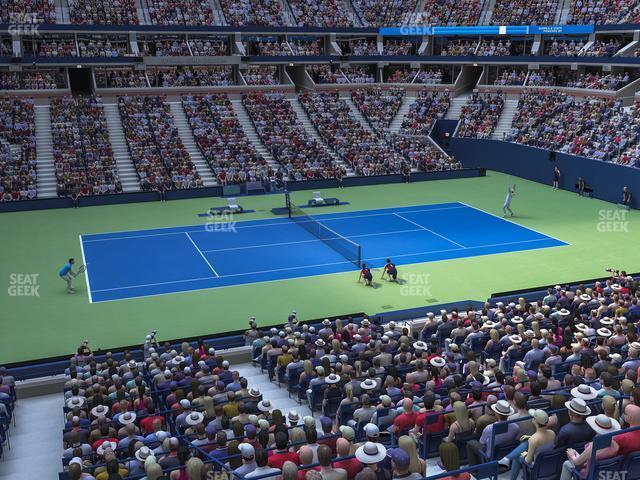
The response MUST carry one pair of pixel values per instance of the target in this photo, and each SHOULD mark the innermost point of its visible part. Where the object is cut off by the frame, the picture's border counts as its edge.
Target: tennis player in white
(511, 191)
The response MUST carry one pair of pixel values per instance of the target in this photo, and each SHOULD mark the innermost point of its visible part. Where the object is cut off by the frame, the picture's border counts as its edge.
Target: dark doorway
(80, 81)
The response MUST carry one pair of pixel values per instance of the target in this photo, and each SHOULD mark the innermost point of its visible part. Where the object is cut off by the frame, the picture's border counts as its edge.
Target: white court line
(513, 223)
(310, 241)
(201, 228)
(201, 254)
(430, 231)
(86, 270)
(301, 267)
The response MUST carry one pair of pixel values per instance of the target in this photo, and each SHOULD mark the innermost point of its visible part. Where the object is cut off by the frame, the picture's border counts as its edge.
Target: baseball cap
(347, 432)
(371, 430)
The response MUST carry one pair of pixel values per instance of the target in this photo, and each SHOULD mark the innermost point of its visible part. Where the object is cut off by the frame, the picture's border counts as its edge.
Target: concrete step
(355, 111)
(189, 142)
(311, 130)
(506, 119)
(407, 101)
(126, 168)
(252, 134)
(47, 182)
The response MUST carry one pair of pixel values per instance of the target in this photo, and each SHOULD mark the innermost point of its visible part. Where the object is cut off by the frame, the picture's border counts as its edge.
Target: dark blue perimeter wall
(606, 179)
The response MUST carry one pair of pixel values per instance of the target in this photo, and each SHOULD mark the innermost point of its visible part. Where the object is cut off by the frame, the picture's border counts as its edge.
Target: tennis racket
(81, 269)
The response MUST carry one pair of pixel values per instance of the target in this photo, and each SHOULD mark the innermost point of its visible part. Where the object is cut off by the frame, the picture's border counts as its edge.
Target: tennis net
(349, 249)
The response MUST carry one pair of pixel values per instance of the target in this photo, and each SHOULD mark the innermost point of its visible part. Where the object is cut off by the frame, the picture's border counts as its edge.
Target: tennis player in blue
(67, 274)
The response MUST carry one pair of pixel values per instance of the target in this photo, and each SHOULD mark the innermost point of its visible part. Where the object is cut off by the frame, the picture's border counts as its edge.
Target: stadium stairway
(487, 12)
(504, 123)
(126, 170)
(62, 11)
(36, 439)
(564, 8)
(396, 123)
(217, 13)
(356, 112)
(252, 134)
(45, 168)
(313, 133)
(186, 135)
(456, 107)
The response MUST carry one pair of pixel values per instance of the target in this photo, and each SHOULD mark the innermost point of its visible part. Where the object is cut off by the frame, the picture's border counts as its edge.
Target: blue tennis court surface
(155, 262)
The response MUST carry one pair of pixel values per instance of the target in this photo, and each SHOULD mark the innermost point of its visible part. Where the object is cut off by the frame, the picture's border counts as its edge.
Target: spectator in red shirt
(407, 419)
(351, 465)
(281, 453)
(629, 442)
(429, 401)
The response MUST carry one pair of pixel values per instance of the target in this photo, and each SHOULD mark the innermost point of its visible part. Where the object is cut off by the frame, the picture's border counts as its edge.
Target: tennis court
(143, 263)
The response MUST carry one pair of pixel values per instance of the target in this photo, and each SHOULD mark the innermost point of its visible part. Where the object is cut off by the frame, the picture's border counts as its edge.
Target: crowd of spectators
(378, 106)
(326, 74)
(563, 48)
(302, 157)
(377, 13)
(366, 153)
(359, 48)
(310, 47)
(515, 76)
(96, 47)
(103, 12)
(164, 48)
(590, 127)
(422, 154)
(401, 74)
(321, 13)
(31, 80)
(6, 47)
(449, 12)
(599, 12)
(82, 153)
(262, 75)
(504, 381)
(180, 12)
(269, 48)
(494, 49)
(358, 74)
(455, 48)
(541, 78)
(159, 156)
(191, 76)
(31, 12)
(431, 76)
(596, 81)
(252, 12)
(63, 47)
(120, 78)
(397, 47)
(600, 48)
(209, 47)
(480, 115)
(424, 111)
(523, 12)
(222, 140)
(18, 170)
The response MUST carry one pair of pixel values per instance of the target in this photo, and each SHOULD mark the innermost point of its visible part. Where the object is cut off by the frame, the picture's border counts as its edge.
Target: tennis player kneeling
(365, 274)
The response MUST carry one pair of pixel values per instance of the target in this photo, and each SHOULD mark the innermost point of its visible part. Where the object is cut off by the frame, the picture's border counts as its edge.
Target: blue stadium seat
(546, 465)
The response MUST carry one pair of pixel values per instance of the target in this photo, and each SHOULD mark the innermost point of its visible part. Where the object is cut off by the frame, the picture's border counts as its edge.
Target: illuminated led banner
(419, 31)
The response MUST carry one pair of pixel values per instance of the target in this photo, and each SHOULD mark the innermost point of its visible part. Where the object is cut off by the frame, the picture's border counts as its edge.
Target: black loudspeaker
(483, 172)
(552, 156)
